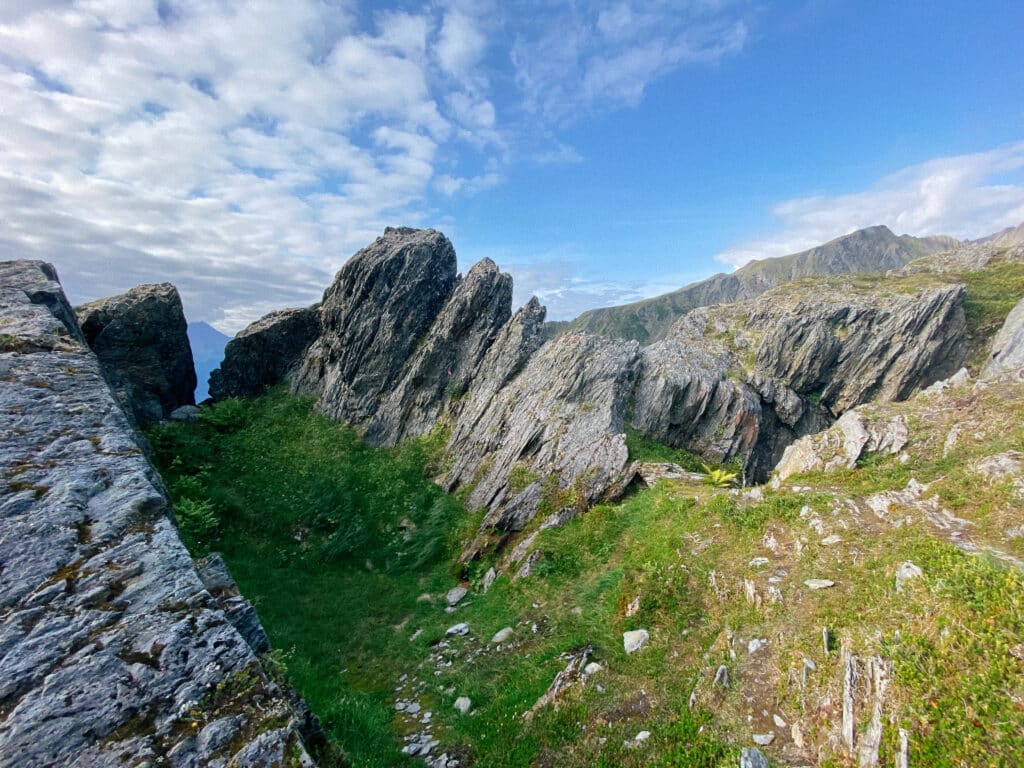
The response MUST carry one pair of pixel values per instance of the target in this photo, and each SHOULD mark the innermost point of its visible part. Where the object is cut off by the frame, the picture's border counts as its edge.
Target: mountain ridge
(873, 249)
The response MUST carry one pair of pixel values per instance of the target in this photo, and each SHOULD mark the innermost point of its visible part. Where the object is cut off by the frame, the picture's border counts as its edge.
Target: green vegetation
(991, 294)
(719, 478)
(335, 542)
(642, 448)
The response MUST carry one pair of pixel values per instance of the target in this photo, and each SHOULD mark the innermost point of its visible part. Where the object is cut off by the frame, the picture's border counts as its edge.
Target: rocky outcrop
(842, 445)
(1007, 355)
(380, 307)
(112, 651)
(265, 353)
(745, 380)
(554, 433)
(141, 339)
(847, 348)
(444, 365)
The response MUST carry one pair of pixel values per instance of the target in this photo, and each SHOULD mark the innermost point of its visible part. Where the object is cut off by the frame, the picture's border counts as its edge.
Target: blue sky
(599, 151)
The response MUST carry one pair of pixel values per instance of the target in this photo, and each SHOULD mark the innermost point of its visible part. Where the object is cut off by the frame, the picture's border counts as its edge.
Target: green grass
(642, 448)
(990, 295)
(298, 505)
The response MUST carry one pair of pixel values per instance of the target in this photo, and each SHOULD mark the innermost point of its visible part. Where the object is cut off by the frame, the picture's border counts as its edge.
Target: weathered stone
(381, 304)
(240, 612)
(455, 594)
(763, 739)
(141, 340)
(560, 418)
(501, 635)
(185, 413)
(564, 680)
(819, 583)
(1007, 355)
(109, 636)
(463, 705)
(634, 640)
(751, 757)
(445, 363)
(265, 353)
(840, 446)
(907, 571)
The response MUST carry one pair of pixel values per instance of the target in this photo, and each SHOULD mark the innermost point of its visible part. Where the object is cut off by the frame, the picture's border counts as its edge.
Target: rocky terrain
(141, 341)
(875, 249)
(113, 651)
(615, 605)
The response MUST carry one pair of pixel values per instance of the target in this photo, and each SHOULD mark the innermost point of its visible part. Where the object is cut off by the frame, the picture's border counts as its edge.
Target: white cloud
(242, 150)
(965, 196)
(586, 57)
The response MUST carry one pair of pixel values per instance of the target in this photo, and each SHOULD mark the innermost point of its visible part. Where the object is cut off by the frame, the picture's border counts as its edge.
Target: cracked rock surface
(112, 651)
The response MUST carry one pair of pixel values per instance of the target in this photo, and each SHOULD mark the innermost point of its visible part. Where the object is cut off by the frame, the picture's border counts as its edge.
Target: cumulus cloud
(965, 196)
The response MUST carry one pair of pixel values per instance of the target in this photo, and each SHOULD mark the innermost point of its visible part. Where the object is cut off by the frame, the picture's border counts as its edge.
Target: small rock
(501, 635)
(779, 721)
(642, 736)
(489, 578)
(462, 628)
(759, 562)
(1018, 651)
(455, 594)
(426, 597)
(763, 739)
(463, 704)
(809, 664)
(413, 708)
(751, 757)
(819, 583)
(828, 541)
(722, 676)
(634, 606)
(414, 635)
(635, 640)
(756, 645)
(592, 668)
(185, 413)
(907, 572)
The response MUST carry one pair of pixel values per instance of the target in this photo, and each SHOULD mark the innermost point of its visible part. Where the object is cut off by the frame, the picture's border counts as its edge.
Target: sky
(600, 152)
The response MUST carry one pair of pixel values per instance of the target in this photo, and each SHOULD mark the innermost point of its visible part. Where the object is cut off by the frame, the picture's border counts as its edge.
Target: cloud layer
(966, 196)
(244, 150)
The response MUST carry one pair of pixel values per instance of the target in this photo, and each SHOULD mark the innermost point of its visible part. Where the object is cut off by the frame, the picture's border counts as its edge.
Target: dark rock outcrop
(112, 652)
(265, 353)
(380, 307)
(554, 433)
(444, 365)
(141, 339)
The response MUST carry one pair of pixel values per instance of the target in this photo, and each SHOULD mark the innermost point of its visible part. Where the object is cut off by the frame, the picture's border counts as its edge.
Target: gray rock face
(850, 348)
(265, 353)
(141, 340)
(1007, 356)
(556, 429)
(748, 379)
(382, 303)
(443, 366)
(112, 652)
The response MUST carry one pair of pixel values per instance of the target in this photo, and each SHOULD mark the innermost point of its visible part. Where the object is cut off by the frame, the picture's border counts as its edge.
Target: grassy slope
(300, 505)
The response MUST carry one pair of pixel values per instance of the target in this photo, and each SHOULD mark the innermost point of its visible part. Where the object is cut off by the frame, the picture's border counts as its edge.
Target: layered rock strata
(112, 651)
(141, 339)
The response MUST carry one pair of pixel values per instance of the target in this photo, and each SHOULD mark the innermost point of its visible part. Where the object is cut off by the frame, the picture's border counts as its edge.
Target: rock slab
(112, 650)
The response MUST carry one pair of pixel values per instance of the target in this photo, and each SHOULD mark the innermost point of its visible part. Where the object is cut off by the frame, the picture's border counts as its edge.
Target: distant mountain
(875, 249)
(1005, 238)
(207, 350)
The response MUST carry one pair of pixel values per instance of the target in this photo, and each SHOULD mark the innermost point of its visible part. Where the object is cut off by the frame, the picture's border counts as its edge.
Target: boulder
(1007, 355)
(444, 364)
(374, 315)
(265, 353)
(141, 339)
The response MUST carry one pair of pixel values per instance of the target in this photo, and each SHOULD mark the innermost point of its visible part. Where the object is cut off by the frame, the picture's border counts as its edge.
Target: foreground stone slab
(112, 650)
